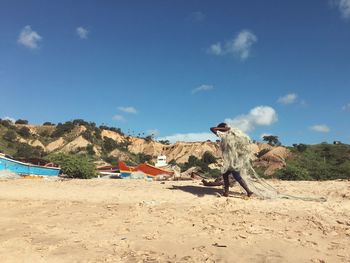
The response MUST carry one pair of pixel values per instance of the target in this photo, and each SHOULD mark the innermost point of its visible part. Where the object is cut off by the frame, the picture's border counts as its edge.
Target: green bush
(166, 142)
(109, 144)
(208, 158)
(20, 121)
(25, 150)
(24, 132)
(10, 136)
(293, 173)
(143, 158)
(90, 149)
(75, 166)
(61, 129)
(87, 135)
(47, 123)
(110, 159)
(7, 124)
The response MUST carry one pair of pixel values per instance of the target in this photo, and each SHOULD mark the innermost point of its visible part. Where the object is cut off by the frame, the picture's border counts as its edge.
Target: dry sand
(139, 221)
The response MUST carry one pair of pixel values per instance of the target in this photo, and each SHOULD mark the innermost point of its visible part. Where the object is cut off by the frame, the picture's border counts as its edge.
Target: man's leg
(240, 180)
(226, 183)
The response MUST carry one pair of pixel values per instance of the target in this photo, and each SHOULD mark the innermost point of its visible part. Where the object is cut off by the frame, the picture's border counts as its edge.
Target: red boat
(147, 169)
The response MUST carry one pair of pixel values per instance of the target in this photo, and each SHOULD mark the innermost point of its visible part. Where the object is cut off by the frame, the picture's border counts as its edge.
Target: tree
(20, 121)
(272, 140)
(75, 166)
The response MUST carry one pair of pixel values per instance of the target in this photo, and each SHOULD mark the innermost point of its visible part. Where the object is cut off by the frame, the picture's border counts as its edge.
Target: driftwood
(218, 182)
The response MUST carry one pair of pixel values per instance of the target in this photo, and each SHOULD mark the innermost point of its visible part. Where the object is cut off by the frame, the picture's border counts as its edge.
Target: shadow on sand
(201, 191)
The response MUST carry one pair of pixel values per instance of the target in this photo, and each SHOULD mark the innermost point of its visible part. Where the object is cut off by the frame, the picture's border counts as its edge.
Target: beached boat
(111, 171)
(9, 164)
(145, 168)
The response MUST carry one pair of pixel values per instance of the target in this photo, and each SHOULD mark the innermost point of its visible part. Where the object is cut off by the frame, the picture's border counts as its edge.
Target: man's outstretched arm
(216, 129)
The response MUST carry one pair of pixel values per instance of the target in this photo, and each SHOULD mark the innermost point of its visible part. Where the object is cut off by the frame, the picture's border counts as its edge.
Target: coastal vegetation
(317, 162)
(74, 166)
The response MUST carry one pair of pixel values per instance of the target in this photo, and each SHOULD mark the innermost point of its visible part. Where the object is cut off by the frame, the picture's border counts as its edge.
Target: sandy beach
(140, 221)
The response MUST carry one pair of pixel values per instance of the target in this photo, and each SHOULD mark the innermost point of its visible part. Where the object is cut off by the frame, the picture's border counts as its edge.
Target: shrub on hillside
(48, 124)
(111, 160)
(75, 166)
(10, 136)
(61, 129)
(7, 124)
(20, 121)
(166, 142)
(24, 132)
(90, 149)
(117, 130)
(87, 135)
(25, 150)
(109, 144)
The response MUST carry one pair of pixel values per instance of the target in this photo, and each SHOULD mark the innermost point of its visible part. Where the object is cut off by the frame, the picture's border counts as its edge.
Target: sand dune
(139, 221)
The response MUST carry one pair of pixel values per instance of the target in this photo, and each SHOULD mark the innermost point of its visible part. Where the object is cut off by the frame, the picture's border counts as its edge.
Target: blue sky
(176, 68)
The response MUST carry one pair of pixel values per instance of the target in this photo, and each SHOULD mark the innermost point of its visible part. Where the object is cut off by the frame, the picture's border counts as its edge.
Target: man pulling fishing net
(236, 154)
(233, 155)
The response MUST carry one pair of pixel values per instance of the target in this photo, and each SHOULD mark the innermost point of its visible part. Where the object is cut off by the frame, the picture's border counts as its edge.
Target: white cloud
(82, 32)
(346, 107)
(129, 109)
(239, 46)
(242, 44)
(13, 120)
(29, 38)
(118, 118)
(343, 6)
(320, 128)
(216, 49)
(203, 87)
(197, 16)
(288, 99)
(258, 116)
(190, 137)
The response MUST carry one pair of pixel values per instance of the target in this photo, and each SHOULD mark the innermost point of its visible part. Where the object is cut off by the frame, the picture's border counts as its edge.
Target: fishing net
(236, 154)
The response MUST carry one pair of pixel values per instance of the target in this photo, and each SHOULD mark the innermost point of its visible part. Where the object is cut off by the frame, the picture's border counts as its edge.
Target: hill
(106, 145)
(103, 144)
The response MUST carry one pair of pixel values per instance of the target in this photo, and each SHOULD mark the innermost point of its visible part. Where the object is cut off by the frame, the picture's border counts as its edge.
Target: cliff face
(180, 151)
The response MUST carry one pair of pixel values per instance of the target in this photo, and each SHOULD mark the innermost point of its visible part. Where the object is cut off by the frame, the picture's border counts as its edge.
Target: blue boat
(21, 168)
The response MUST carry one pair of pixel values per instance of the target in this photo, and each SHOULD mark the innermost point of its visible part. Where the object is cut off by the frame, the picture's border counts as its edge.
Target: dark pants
(238, 178)
(235, 174)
